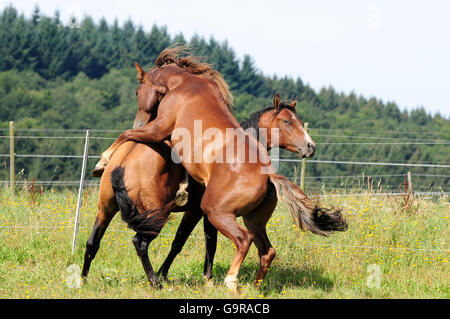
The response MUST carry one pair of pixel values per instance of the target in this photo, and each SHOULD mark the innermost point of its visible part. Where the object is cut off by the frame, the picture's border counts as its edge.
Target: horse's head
(291, 134)
(149, 94)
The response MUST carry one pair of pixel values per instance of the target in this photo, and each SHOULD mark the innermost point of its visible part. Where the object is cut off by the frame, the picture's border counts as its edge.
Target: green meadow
(394, 248)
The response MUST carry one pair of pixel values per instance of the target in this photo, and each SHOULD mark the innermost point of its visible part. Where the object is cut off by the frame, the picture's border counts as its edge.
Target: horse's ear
(141, 72)
(294, 103)
(276, 101)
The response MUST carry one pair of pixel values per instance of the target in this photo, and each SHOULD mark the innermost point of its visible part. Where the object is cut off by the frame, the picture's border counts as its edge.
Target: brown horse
(186, 92)
(155, 188)
(281, 116)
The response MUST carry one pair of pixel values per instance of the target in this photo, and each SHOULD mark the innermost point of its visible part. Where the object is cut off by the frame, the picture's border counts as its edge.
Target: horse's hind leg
(226, 223)
(256, 223)
(265, 250)
(242, 240)
(141, 243)
(104, 217)
(148, 229)
(187, 225)
(188, 222)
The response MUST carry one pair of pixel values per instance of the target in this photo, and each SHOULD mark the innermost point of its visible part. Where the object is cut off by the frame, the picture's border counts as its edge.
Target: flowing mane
(253, 119)
(181, 56)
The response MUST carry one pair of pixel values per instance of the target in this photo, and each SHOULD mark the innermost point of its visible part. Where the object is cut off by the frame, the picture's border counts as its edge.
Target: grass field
(409, 246)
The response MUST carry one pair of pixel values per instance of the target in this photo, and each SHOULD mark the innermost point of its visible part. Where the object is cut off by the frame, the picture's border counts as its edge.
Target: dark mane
(253, 120)
(181, 56)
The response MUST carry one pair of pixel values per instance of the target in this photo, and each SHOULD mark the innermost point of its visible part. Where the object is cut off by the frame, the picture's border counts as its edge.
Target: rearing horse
(150, 189)
(183, 91)
(281, 116)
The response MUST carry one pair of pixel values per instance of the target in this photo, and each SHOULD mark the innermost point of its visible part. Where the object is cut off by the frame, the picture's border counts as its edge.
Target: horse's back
(150, 176)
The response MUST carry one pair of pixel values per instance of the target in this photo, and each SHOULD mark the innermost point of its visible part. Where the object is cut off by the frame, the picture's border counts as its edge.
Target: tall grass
(410, 247)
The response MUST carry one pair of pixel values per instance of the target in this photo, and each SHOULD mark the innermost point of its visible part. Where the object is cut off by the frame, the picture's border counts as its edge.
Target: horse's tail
(306, 214)
(148, 223)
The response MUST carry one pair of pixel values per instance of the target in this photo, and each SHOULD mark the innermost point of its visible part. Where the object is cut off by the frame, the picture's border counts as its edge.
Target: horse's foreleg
(155, 131)
(105, 157)
(189, 221)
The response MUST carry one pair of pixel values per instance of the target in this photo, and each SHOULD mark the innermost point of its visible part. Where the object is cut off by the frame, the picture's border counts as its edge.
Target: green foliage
(81, 75)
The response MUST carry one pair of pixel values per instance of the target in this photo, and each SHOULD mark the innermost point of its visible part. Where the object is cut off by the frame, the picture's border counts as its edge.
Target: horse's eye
(136, 93)
(287, 122)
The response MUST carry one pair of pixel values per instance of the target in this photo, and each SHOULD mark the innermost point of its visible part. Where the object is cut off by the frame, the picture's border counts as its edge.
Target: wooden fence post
(410, 187)
(303, 171)
(295, 174)
(12, 175)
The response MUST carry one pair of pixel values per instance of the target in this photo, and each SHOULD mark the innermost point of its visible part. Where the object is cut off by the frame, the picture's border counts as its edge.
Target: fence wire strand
(69, 227)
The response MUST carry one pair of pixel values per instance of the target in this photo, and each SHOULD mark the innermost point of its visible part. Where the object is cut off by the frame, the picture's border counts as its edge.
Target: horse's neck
(170, 77)
(265, 138)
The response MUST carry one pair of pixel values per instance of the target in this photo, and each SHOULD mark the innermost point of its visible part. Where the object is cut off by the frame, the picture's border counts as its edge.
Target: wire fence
(67, 134)
(391, 132)
(411, 140)
(339, 191)
(222, 238)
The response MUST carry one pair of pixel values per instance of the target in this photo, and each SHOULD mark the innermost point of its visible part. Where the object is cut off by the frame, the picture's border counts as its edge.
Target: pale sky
(394, 50)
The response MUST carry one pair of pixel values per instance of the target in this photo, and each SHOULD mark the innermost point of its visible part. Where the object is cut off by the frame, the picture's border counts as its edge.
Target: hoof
(100, 167)
(181, 198)
(161, 276)
(155, 284)
(257, 283)
(232, 284)
(208, 282)
(97, 172)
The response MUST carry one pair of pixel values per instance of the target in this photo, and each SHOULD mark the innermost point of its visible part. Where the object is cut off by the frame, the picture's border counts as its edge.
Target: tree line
(80, 75)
